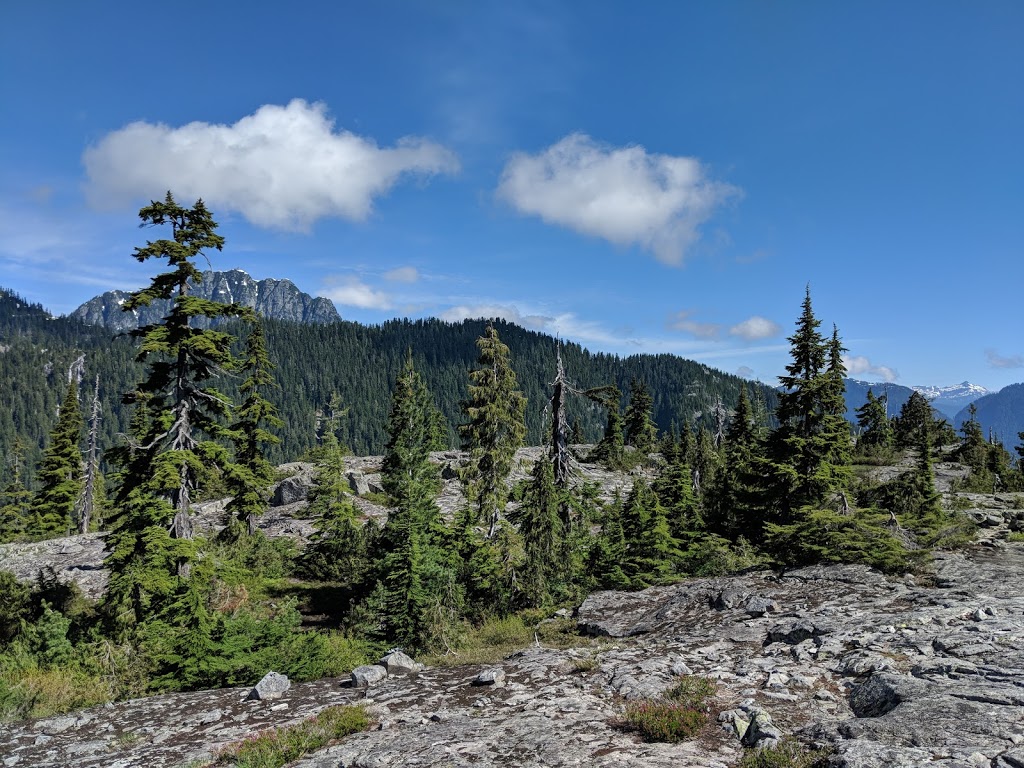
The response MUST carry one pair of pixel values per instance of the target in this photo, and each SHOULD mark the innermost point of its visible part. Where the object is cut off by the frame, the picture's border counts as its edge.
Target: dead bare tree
(86, 506)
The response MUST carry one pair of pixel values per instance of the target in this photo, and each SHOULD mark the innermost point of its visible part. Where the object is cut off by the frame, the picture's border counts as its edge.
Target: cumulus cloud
(858, 365)
(402, 275)
(998, 361)
(745, 372)
(564, 325)
(756, 328)
(622, 194)
(509, 312)
(683, 321)
(352, 292)
(280, 167)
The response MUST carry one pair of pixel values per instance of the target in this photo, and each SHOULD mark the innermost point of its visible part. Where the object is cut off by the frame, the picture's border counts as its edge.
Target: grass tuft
(277, 747)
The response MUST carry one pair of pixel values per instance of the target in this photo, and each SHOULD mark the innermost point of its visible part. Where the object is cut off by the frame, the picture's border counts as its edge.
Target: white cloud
(621, 194)
(681, 321)
(509, 312)
(280, 167)
(402, 275)
(756, 328)
(745, 372)
(998, 361)
(352, 292)
(857, 365)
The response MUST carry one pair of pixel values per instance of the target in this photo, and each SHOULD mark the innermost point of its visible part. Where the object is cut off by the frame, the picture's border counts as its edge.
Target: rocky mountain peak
(270, 297)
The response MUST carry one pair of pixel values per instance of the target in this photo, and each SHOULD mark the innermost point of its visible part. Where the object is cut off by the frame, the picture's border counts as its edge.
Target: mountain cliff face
(277, 299)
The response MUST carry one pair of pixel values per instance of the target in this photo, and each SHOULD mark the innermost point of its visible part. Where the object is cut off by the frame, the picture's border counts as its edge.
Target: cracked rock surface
(889, 671)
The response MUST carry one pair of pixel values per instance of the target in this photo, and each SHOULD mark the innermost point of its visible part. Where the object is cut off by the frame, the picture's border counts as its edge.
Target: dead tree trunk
(87, 501)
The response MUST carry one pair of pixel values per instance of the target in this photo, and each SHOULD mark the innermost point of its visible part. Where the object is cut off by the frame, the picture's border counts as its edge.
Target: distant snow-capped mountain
(952, 399)
(964, 389)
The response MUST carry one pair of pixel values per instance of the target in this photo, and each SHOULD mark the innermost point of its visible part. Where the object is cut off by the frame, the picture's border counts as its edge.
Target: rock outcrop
(886, 671)
(277, 299)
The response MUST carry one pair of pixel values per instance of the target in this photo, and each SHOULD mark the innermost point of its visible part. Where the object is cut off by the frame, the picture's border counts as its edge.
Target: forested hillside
(358, 363)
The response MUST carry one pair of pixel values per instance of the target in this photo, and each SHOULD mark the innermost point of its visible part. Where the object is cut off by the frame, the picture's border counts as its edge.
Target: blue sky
(638, 177)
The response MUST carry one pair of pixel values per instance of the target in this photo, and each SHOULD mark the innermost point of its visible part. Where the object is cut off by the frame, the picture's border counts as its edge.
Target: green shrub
(678, 715)
(692, 691)
(663, 720)
(789, 754)
(279, 746)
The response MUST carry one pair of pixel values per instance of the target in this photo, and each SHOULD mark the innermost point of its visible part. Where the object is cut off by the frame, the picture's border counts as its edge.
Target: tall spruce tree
(15, 498)
(652, 552)
(416, 568)
(610, 451)
(874, 425)
(60, 472)
(249, 478)
(733, 505)
(811, 447)
(338, 547)
(640, 430)
(495, 429)
(179, 422)
(541, 528)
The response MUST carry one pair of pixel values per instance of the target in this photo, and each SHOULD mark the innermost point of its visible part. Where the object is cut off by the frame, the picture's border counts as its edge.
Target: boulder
(272, 686)
(291, 490)
(494, 677)
(398, 663)
(357, 482)
(367, 675)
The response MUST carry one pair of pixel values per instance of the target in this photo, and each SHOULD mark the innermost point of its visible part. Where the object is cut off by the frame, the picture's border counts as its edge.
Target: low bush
(663, 720)
(279, 746)
(678, 715)
(789, 754)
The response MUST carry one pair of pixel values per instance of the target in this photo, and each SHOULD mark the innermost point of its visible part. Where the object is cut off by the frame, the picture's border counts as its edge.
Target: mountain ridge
(278, 299)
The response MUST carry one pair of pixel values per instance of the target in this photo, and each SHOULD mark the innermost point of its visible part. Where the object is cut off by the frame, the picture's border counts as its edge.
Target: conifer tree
(60, 472)
(416, 568)
(15, 498)
(495, 429)
(608, 551)
(611, 450)
(651, 550)
(874, 425)
(178, 423)
(641, 432)
(674, 487)
(915, 416)
(338, 547)
(249, 477)
(734, 506)
(540, 526)
(704, 462)
(811, 447)
(834, 470)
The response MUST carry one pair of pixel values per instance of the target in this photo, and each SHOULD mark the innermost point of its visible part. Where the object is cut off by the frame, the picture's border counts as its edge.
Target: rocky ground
(923, 670)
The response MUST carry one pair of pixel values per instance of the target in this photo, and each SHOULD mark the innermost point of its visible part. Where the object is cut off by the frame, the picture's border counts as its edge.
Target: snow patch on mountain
(963, 389)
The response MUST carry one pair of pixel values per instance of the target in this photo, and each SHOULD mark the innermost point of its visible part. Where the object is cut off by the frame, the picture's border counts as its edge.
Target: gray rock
(398, 663)
(494, 677)
(357, 482)
(794, 631)
(272, 686)
(367, 675)
(291, 490)
(759, 606)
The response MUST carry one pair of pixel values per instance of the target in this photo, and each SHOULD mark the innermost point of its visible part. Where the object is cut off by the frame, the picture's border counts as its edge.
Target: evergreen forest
(122, 437)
